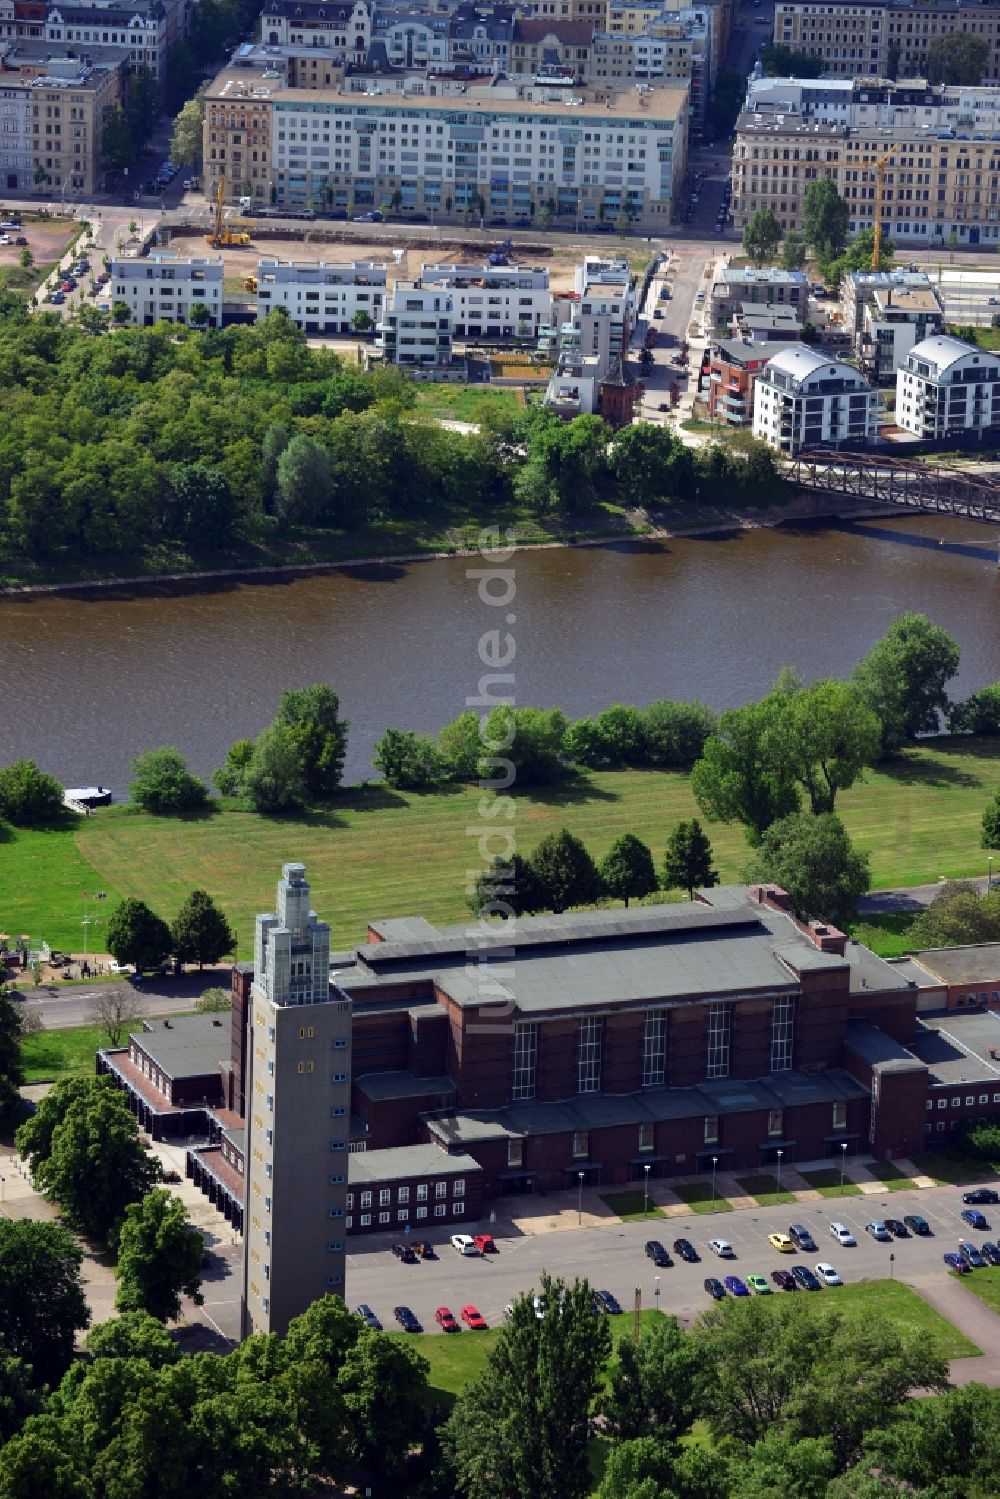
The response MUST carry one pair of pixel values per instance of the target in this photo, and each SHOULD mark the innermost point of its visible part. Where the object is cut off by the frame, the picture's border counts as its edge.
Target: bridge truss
(898, 481)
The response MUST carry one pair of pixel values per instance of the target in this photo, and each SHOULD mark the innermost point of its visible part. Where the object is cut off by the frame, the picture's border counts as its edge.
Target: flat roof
(870, 973)
(191, 1046)
(408, 1161)
(974, 964)
(956, 1046)
(381, 1085)
(879, 1049)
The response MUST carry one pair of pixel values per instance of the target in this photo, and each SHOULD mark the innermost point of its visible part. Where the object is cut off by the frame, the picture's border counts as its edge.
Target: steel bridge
(885, 480)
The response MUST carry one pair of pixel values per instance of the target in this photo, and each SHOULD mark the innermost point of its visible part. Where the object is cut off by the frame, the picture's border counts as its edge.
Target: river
(92, 678)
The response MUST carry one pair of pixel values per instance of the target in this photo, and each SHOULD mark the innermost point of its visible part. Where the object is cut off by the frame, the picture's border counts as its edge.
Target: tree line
(166, 438)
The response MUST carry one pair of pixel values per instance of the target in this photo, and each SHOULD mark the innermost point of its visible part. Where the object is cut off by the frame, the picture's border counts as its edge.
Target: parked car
(484, 1243)
(608, 1303)
(843, 1235)
(424, 1250)
(981, 1194)
(5, 239)
(405, 1253)
(957, 1263)
(782, 1243)
(878, 1231)
(758, 1285)
(918, 1225)
(802, 1238)
(972, 1255)
(10, 223)
(473, 1318)
(897, 1228)
(22, 239)
(990, 1251)
(805, 1278)
(445, 1320)
(715, 1288)
(407, 1319)
(722, 1248)
(172, 1176)
(974, 1218)
(827, 1274)
(686, 1250)
(784, 1279)
(464, 1244)
(57, 297)
(368, 1317)
(735, 1286)
(656, 1252)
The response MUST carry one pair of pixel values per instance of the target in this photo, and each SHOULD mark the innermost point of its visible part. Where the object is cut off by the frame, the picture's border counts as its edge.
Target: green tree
(813, 859)
(143, 103)
(42, 1305)
(135, 934)
(745, 773)
(957, 57)
(26, 260)
(958, 916)
(275, 779)
(948, 1447)
(304, 491)
(361, 322)
(133, 1335)
(383, 1382)
(762, 236)
(159, 1257)
(213, 1001)
(186, 140)
(461, 746)
(687, 863)
(523, 1426)
(565, 871)
(199, 315)
(409, 761)
(312, 716)
(779, 61)
(11, 1071)
(830, 735)
(674, 733)
(649, 463)
(276, 440)
(523, 746)
(620, 733)
(161, 783)
(117, 145)
(507, 887)
(653, 1389)
(793, 251)
(978, 714)
(904, 679)
(728, 95)
(230, 778)
(200, 933)
(95, 1164)
(626, 870)
(18, 1400)
(825, 217)
(776, 1466)
(121, 313)
(199, 505)
(990, 837)
(28, 796)
(36, 1462)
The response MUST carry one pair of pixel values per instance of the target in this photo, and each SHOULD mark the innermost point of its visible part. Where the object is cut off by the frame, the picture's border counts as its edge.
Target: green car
(758, 1285)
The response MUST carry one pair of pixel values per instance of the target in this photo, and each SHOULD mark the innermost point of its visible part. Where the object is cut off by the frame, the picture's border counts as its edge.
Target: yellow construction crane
(881, 167)
(215, 238)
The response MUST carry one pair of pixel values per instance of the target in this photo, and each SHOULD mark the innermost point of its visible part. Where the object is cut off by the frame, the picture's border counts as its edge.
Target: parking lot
(612, 1256)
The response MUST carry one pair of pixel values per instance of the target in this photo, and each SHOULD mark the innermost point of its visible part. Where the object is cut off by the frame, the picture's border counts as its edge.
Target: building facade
(803, 399)
(737, 287)
(416, 326)
(883, 38)
(166, 288)
(735, 365)
(946, 388)
(322, 298)
(493, 301)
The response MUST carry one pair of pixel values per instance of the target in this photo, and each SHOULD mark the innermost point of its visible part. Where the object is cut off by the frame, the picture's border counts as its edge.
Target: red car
(446, 1321)
(473, 1318)
(484, 1243)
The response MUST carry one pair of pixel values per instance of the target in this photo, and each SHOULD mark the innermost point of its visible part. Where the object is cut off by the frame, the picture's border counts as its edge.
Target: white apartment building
(143, 33)
(322, 298)
(493, 301)
(16, 168)
(342, 26)
(877, 101)
(166, 287)
(803, 400)
(894, 320)
(416, 326)
(946, 387)
(595, 337)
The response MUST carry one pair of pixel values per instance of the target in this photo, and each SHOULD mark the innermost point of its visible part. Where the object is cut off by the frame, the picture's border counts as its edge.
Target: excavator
(220, 235)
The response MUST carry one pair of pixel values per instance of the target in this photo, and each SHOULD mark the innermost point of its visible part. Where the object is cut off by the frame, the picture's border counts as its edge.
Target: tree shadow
(565, 793)
(910, 769)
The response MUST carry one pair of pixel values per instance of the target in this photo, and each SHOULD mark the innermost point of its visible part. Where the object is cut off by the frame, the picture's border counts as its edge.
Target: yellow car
(781, 1242)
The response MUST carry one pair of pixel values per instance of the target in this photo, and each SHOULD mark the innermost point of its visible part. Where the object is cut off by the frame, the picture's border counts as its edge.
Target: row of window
(421, 1191)
(441, 1210)
(956, 1101)
(710, 1133)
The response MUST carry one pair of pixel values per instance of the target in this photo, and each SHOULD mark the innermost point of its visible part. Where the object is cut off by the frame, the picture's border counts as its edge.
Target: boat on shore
(86, 796)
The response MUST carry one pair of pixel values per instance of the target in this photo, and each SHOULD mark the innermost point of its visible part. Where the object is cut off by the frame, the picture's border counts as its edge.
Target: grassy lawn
(52, 1055)
(887, 934)
(986, 1285)
(765, 1189)
(889, 1175)
(464, 403)
(907, 1311)
(698, 1196)
(630, 1206)
(948, 1167)
(917, 818)
(827, 1183)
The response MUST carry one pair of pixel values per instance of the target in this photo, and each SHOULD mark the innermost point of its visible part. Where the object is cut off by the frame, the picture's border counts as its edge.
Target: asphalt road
(613, 1257)
(72, 1005)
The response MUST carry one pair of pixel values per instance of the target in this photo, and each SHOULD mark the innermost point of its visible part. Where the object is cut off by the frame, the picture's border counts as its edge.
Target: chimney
(770, 895)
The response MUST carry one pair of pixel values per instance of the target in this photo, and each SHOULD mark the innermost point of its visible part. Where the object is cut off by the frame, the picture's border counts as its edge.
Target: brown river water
(92, 678)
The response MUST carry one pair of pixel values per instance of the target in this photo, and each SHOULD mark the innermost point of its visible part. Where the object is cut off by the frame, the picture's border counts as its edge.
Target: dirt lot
(443, 245)
(47, 239)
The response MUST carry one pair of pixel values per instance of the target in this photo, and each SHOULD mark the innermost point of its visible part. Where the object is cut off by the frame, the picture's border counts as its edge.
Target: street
(73, 1005)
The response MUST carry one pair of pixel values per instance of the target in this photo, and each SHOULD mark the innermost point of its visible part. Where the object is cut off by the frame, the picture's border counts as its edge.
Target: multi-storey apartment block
(947, 388)
(54, 108)
(342, 27)
(500, 151)
(883, 38)
(493, 301)
(887, 312)
(140, 35)
(322, 298)
(166, 288)
(803, 399)
(542, 48)
(416, 326)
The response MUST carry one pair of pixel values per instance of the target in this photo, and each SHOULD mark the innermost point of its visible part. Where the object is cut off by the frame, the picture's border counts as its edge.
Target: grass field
(698, 1196)
(631, 1206)
(827, 1183)
(49, 1056)
(464, 403)
(376, 852)
(765, 1189)
(948, 1167)
(986, 1285)
(889, 1175)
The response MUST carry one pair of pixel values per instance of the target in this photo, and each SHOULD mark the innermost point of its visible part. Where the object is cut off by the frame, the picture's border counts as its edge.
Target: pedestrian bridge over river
(886, 480)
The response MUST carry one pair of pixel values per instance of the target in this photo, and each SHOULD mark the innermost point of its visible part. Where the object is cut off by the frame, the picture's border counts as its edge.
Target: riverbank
(320, 552)
(375, 852)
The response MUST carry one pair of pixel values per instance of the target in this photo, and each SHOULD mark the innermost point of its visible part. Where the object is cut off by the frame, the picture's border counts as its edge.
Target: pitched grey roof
(192, 1046)
(407, 1161)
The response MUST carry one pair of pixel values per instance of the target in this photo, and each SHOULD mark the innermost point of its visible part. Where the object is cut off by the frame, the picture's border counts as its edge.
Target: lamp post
(843, 1164)
(989, 872)
(715, 1162)
(780, 1154)
(656, 1293)
(645, 1193)
(579, 1198)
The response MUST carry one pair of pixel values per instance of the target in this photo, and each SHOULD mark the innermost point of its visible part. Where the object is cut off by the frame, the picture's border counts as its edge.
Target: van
(246, 202)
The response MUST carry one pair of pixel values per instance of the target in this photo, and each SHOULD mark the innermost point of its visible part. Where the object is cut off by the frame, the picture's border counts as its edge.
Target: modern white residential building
(946, 387)
(593, 343)
(895, 319)
(416, 326)
(493, 301)
(803, 400)
(322, 298)
(166, 287)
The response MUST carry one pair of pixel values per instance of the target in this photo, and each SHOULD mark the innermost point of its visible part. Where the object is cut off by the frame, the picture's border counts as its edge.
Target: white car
(843, 1235)
(464, 1243)
(722, 1248)
(879, 1231)
(827, 1274)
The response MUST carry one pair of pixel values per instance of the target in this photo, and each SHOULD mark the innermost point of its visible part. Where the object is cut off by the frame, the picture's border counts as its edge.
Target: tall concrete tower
(298, 1115)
